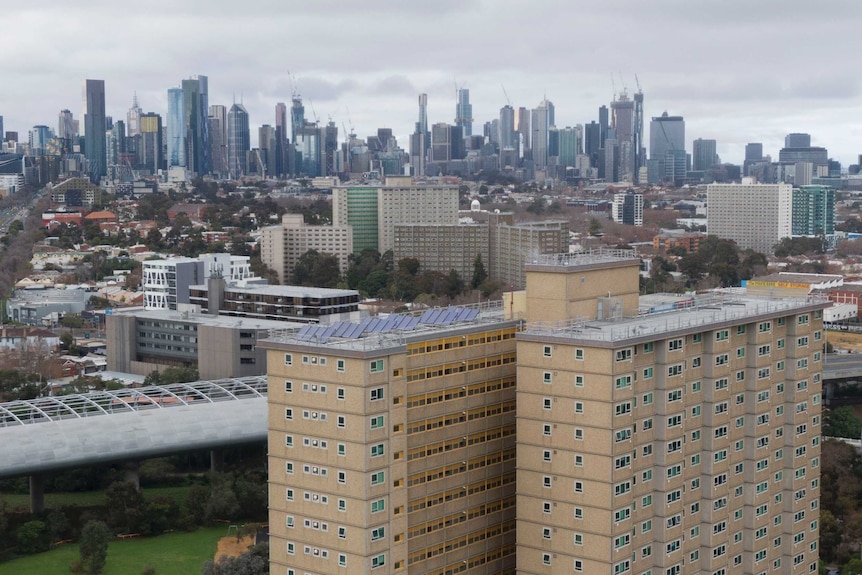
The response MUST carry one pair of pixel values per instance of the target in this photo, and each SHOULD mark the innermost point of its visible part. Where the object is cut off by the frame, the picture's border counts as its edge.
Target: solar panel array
(390, 323)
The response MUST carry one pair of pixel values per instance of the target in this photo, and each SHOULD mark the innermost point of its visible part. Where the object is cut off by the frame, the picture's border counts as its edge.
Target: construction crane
(313, 113)
(638, 84)
(508, 101)
(293, 91)
(350, 122)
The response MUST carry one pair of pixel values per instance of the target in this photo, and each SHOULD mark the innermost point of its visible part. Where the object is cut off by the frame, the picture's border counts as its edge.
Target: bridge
(54, 433)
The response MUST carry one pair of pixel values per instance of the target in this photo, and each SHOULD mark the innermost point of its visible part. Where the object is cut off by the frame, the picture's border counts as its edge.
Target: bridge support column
(216, 460)
(37, 494)
(131, 473)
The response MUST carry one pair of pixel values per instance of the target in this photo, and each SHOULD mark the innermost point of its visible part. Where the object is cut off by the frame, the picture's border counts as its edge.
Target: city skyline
(379, 83)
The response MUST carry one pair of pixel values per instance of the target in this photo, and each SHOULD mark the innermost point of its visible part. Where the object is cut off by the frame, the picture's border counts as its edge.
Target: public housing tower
(574, 428)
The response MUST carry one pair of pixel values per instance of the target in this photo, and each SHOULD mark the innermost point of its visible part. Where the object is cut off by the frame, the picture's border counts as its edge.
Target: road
(841, 366)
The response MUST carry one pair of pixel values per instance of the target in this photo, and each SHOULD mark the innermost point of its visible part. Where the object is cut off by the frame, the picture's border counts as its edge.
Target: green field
(88, 499)
(169, 554)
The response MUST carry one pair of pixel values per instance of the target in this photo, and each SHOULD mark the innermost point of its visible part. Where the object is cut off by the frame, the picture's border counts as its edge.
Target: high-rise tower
(238, 141)
(281, 127)
(623, 124)
(523, 128)
(464, 112)
(217, 124)
(420, 140)
(176, 140)
(94, 128)
(66, 126)
(133, 118)
(541, 122)
(195, 124)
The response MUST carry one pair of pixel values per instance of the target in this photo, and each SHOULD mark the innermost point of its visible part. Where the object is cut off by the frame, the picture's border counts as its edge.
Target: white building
(755, 216)
(166, 282)
(282, 246)
(628, 209)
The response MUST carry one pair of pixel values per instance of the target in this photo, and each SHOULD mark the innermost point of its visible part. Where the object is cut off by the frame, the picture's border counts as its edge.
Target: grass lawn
(89, 498)
(169, 554)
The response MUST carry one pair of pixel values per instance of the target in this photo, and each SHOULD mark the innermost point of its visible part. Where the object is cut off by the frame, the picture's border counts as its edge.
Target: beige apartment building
(394, 453)
(281, 246)
(645, 436)
(678, 442)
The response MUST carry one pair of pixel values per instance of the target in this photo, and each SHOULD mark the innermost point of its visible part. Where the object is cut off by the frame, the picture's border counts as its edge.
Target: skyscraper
(571, 143)
(522, 126)
(755, 216)
(266, 142)
(176, 141)
(507, 127)
(753, 151)
(541, 122)
(133, 118)
(593, 142)
(441, 143)
(797, 140)
(464, 112)
(281, 127)
(638, 137)
(150, 149)
(703, 154)
(94, 129)
(667, 145)
(623, 123)
(218, 139)
(195, 123)
(66, 126)
(420, 140)
(238, 141)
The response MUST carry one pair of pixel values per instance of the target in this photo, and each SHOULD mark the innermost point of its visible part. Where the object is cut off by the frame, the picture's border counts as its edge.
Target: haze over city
(737, 71)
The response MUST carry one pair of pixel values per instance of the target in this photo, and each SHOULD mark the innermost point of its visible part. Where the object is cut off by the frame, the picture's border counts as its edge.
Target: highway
(842, 366)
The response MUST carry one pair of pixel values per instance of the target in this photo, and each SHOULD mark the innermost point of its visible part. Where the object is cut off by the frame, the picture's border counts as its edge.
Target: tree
(72, 321)
(479, 273)
(454, 284)
(842, 422)
(595, 227)
(537, 206)
(853, 567)
(93, 547)
(33, 537)
(126, 506)
(222, 503)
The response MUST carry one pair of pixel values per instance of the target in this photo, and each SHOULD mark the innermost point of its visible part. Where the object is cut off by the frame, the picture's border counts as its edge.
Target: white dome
(475, 206)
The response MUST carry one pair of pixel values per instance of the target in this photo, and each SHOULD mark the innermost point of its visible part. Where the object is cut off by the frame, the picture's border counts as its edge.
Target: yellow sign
(786, 285)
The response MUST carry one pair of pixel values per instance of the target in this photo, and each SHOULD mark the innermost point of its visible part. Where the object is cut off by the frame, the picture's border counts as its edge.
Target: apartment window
(695, 387)
(740, 352)
(342, 560)
(342, 449)
(546, 351)
(342, 477)
(646, 475)
(377, 450)
(288, 441)
(721, 359)
(624, 382)
(646, 526)
(695, 362)
(648, 347)
(546, 481)
(378, 533)
(546, 558)
(288, 359)
(288, 413)
(546, 403)
(624, 354)
(579, 407)
(291, 548)
(579, 565)
(340, 365)
(378, 505)
(695, 411)
(579, 434)
(675, 395)
(674, 370)
(288, 387)
(546, 429)
(579, 381)
(377, 422)
(579, 460)
(378, 561)
(646, 500)
(377, 366)
(721, 384)
(721, 335)
(340, 393)
(547, 377)
(546, 507)
(674, 344)
(579, 513)
(376, 393)
(378, 478)
(647, 399)
(579, 354)
(342, 505)
(578, 538)
(288, 495)
(579, 486)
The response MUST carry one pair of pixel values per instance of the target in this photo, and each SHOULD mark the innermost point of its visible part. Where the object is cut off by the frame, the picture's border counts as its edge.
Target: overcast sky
(738, 70)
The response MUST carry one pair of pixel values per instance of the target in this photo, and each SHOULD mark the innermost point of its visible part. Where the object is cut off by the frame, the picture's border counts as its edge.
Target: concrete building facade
(282, 246)
(755, 216)
(672, 434)
(373, 211)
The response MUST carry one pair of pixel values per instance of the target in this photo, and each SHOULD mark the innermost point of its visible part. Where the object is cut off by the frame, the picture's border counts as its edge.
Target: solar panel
(303, 332)
(341, 327)
(375, 325)
(424, 318)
